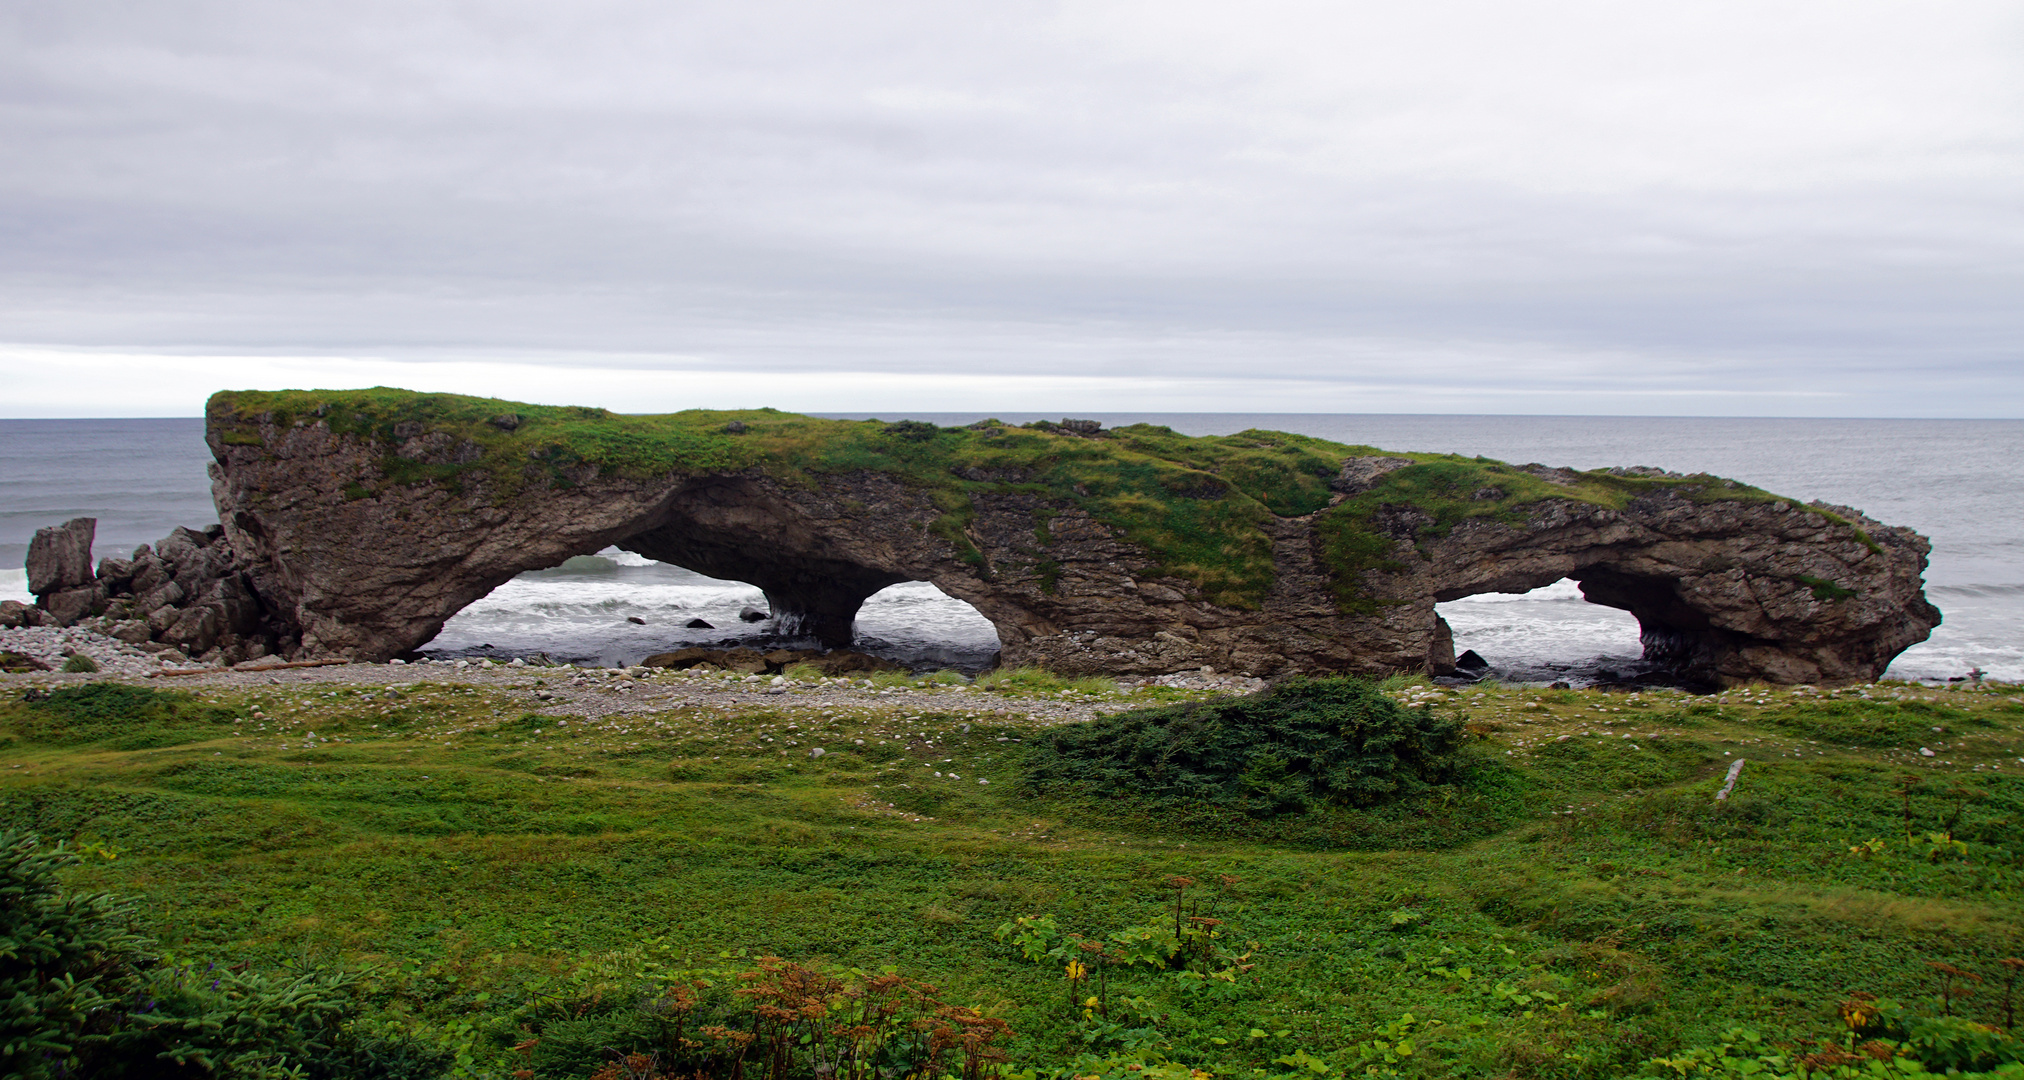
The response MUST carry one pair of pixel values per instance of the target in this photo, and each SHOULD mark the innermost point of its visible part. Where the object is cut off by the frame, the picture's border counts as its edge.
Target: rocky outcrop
(189, 593)
(354, 524)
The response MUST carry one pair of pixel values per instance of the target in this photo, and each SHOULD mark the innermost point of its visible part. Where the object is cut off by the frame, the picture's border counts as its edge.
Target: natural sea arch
(616, 607)
(355, 523)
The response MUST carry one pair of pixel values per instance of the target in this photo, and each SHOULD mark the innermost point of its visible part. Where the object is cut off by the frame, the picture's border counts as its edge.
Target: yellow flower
(1076, 971)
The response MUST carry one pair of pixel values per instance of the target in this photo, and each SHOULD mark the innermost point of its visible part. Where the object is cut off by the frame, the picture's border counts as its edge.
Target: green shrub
(79, 664)
(82, 994)
(64, 961)
(1304, 744)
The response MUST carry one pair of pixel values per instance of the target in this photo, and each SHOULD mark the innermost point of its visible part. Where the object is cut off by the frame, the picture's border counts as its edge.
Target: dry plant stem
(1904, 791)
(2011, 966)
(1735, 770)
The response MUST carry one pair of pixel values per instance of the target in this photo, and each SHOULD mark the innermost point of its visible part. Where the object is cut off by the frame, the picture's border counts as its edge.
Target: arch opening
(1597, 626)
(617, 607)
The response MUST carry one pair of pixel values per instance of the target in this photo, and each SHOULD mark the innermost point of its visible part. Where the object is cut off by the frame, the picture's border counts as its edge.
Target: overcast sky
(1800, 208)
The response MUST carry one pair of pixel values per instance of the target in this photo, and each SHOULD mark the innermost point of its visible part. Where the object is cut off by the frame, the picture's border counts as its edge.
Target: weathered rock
(680, 659)
(66, 607)
(752, 614)
(1471, 663)
(59, 557)
(14, 614)
(1360, 474)
(115, 574)
(351, 532)
(698, 624)
(132, 631)
(13, 663)
(167, 594)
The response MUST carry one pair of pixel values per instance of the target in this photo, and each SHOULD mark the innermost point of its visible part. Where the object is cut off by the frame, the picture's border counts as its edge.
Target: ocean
(1960, 482)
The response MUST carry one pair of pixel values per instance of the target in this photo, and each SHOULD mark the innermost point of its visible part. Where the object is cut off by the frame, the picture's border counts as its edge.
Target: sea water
(1960, 482)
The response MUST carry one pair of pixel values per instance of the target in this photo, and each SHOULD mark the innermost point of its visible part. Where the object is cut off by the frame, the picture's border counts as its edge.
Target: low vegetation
(1197, 505)
(1307, 745)
(440, 879)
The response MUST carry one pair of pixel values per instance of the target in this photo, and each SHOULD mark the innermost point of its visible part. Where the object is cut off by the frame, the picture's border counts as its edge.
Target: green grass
(1582, 895)
(1197, 505)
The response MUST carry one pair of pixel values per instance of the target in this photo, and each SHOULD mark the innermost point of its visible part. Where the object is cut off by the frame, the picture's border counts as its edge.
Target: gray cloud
(1655, 209)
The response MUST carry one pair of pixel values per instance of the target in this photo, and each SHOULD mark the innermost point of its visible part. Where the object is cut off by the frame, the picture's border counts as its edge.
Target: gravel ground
(598, 692)
(53, 645)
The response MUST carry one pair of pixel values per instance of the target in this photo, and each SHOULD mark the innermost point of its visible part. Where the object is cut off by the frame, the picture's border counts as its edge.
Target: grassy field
(1575, 904)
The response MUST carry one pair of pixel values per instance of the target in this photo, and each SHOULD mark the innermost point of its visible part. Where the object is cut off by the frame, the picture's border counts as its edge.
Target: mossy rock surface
(1198, 505)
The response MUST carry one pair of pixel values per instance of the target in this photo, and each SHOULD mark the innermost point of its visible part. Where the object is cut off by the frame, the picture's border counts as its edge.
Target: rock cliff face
(355, 523)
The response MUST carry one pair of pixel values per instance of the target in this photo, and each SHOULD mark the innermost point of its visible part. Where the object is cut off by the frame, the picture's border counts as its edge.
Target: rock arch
(359, 521)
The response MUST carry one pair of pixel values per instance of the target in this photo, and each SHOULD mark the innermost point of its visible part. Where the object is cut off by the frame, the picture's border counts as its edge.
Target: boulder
(66, 607)
(1472, 663)
(149, 574)
(160, 619)
(698, 624)
(752, 614)
(13, 663)
(196, 630)
(14, 614)
(167, 594)
(59, 557)
(115, 574)
(679, 659)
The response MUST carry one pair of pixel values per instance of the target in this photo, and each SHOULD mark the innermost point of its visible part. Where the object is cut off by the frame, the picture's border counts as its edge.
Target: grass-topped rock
(1303, 745)
(356, 522)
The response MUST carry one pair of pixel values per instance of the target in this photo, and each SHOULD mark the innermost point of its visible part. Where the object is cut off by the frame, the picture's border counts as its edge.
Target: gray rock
(160, 619)
(196, 631)
(66, 607)
(168, 594)
(1360, 474)
(752, 614)
(131, 631)
(59, 557)
(14, 614)
(115, 573)
(149, 573)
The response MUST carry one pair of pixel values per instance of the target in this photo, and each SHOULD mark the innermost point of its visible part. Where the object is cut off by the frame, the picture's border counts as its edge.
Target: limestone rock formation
(355, 523)
(189, 593)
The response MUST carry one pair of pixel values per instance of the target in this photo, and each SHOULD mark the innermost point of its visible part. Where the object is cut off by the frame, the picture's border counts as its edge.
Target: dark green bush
(1304, 744)
(64, 960)
(82, 994)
